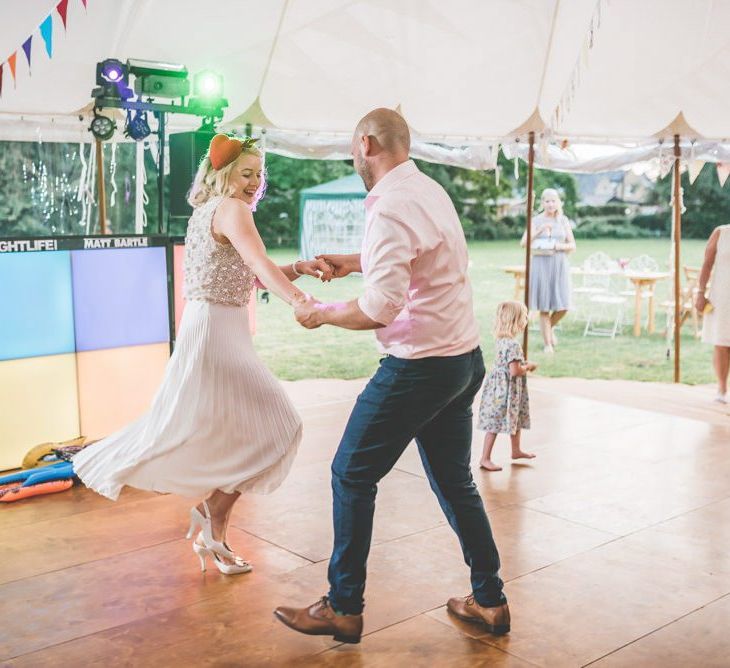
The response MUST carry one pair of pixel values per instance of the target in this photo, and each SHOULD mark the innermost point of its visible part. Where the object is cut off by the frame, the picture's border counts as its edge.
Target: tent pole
(677, 237)
(528, 237)
(100, 186)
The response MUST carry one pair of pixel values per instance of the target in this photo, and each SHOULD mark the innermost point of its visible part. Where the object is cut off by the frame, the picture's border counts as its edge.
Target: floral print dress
(505, 407)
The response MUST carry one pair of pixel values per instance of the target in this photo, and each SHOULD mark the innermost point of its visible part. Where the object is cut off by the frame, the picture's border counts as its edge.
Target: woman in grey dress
(552, 240)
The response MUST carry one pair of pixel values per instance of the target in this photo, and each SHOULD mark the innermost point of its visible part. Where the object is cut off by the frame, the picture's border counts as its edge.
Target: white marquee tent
(467, 75)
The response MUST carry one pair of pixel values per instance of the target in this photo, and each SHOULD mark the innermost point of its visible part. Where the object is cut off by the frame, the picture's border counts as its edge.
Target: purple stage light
(112, 71)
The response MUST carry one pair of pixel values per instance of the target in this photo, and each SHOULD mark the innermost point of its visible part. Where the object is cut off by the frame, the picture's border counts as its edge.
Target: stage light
(159, 79)
(207, 99)
(111, 70)
(112, 79)
(137, 127)
(208, 84)
(102, 127)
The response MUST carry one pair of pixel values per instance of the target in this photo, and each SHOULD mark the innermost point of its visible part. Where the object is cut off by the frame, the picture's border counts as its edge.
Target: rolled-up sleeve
(388, 252)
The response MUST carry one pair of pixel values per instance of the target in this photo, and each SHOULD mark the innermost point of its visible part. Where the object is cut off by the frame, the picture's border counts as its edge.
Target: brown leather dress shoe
(495, 619)
(321, 620)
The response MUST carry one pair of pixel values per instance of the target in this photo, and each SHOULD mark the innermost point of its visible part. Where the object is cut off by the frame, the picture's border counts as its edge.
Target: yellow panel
(38, 403)
(117, 385)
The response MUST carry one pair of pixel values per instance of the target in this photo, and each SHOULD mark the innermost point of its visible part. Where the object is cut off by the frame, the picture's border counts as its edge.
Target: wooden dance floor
(615, 545)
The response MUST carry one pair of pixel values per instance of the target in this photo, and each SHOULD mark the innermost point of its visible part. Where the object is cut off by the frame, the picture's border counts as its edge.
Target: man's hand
(339, 264)
(317, 268)
(531, 366)
(309, 313)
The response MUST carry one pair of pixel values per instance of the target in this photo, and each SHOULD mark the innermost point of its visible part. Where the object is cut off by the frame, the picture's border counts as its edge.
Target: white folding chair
(596, 272)
(604, 315)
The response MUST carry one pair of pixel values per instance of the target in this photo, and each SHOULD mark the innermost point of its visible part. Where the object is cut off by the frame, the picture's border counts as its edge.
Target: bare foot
(520, 454)
(489, 465)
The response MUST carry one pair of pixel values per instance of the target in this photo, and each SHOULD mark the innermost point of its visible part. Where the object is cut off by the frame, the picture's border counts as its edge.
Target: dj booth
(87, 325)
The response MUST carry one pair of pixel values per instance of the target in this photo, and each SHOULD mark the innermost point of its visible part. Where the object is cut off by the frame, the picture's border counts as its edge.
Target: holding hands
(308, 312)
(316, 268)
(326, 267)
(341, 265)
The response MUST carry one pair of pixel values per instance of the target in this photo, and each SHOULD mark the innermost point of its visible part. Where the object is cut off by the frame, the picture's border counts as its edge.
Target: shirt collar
(393, 177)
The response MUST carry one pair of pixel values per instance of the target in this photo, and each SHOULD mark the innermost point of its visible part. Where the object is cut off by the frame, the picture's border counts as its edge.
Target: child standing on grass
(505, 407)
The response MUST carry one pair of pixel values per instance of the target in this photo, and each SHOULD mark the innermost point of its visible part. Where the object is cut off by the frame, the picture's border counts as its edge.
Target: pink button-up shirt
(414, 261)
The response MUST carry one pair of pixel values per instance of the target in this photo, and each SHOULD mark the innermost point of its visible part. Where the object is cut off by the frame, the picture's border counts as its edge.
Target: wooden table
(518, 271)
(644, 282)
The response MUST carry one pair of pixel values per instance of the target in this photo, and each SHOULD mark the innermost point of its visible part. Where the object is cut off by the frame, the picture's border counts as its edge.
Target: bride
(220, 423)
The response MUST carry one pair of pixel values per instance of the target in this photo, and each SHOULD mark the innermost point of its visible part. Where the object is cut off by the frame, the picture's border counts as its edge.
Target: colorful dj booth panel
(86, 325)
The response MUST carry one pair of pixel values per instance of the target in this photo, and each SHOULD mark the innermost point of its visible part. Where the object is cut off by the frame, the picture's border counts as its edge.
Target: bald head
(388, 128)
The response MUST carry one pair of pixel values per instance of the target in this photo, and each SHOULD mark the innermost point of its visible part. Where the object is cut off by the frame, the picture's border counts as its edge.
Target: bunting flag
(62, 8)
(11, 64)
(723, 170)
(84, 2)
(666, 162)
(47, 34)
(694, 168)
(27, 47)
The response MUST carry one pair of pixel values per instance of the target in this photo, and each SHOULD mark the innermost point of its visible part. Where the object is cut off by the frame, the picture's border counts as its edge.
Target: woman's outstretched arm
(233, 222)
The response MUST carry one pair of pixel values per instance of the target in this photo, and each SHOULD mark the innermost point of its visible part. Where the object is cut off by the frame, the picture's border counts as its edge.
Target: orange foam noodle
(18, 493)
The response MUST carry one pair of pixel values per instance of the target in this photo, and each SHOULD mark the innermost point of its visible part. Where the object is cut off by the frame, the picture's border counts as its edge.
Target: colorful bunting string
(46, 31)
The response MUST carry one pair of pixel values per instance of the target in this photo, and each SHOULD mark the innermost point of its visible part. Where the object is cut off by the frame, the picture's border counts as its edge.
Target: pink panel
(179, 278)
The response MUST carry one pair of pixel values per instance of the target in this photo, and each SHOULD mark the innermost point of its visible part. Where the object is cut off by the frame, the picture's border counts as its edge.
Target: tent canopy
(346, 186)
(464, 74)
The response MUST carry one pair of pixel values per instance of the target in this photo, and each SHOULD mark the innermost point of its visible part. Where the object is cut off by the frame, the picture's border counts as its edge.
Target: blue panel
(120, 297)
(36, 308)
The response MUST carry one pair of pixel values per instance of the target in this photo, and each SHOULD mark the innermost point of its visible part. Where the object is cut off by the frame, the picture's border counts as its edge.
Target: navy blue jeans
(430, 400)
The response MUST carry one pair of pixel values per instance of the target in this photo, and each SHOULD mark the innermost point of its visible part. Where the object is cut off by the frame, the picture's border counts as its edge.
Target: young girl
(505, 407)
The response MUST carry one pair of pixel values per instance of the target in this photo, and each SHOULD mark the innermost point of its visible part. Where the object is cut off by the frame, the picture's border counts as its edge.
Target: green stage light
(208, 84)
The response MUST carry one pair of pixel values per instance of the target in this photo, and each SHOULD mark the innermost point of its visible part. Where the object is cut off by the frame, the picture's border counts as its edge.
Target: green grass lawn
(294, 353)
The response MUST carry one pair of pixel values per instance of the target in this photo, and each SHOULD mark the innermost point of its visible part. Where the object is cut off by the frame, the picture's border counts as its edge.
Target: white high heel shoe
(239, 565)
(197, 519)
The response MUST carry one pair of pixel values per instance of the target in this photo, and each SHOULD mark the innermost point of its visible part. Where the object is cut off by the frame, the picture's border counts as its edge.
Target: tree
(475, 194)
(277, 217)
(707, 203)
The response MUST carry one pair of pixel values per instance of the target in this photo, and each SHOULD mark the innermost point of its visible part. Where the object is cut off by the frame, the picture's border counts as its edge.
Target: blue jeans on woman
(429, 399)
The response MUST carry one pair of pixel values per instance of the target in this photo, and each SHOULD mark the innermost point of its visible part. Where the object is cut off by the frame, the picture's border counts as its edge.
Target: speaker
(186, 151)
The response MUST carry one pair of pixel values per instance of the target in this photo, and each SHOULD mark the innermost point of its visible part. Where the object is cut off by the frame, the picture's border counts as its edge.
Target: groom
(418, 300)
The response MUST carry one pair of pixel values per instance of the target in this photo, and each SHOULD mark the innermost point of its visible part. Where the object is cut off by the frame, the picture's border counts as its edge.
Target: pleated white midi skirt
(220, 419)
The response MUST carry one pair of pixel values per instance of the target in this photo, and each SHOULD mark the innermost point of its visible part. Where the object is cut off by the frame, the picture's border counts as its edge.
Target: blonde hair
(511, 320)
(210, 182)
(556, 195)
